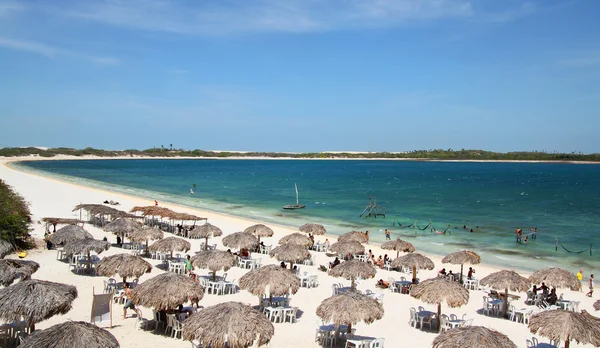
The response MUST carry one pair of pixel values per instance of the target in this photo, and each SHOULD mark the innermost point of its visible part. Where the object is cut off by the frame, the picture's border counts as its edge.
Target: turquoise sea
(561, 200)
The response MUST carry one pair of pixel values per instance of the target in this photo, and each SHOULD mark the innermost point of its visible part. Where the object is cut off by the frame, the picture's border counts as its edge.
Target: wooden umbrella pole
(206, 243)
(414, 280)
(505, 303)
(439, 313)
(461, 274)
(352, 284)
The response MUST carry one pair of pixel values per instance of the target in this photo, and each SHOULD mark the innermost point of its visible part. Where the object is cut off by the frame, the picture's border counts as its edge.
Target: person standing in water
(387, 234)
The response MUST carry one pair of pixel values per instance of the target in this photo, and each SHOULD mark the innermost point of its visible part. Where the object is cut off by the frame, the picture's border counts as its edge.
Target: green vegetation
(438, 154)
(14, 217)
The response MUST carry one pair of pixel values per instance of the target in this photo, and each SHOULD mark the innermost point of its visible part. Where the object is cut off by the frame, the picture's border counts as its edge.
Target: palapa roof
(153, 210)
(35, 300)
(234, 323)
(11, 270)
(290, 253)
(205, 231)
(597, 305)
(440, 290)
(171, 244)
(270, 280)
(146, 234)
(99, 209)
(260, 230)
(71, 334)
(126, 265)
(122, 225)
(463, 257)
(563, 326)
(353, 236)
(296, 238)
(350, 308)
(5, 248)
(510, 280)
(240, 240)
(413, 260)
(398, 245)
(166, 291)
(472, 337)
(352, 247)
(69, 233)
(214, 260)
(61, 221)
(186, 217)
(353, 269)
(555, 278)
(84, 246)
(315, 229)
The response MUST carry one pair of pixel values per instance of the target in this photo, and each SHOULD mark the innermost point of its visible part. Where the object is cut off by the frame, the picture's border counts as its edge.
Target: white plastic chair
(313, 281)
(392, 285)
(291, 315)
(413, 318)
(170, 319)
(377, 343)
(157, 321)
(177, 329)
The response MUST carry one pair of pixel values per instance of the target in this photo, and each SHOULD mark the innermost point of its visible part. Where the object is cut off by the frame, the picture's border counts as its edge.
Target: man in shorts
(128, 304)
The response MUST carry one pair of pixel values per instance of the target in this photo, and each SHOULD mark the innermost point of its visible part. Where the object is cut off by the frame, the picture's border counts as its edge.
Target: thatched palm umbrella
(170, 244)
(122, 226)
(350, 308)
(474, 337)
(438, 290)
(353, 269)
(565, 326)
(86, 246)
(240, 240)
(69, 233)
(461, 258)
(5, 248)
(259, 230)
(214, 260)
(414, 261)
(296, 238)
(166, 291)
(597, 305)
(126, 265)
(71, 334)
(205, 231)
(11, 270)
(35, 301)
(398, 245)
(146, 234)
(354, 236)
(270, 279)
(314, 229)
(556, 278)
(229, 324)
(290, 253)
(349, 247)
(507, 280)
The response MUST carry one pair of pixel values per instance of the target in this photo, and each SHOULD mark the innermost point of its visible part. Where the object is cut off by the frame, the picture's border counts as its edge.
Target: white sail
(296, 186)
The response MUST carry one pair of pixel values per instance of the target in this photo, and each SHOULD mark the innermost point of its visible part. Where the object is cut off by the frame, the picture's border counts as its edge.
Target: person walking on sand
(387, 234)
(128, 304)
(589, 294)
(580, 278)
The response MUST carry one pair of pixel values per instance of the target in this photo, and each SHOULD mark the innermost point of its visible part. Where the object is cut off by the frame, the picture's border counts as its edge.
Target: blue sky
(301, 75)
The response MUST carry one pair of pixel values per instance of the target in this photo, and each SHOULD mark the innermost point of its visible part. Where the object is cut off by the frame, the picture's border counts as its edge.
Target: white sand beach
(50, 197)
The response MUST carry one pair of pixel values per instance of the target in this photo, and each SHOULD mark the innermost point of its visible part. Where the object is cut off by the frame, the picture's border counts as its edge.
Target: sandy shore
(50, 197)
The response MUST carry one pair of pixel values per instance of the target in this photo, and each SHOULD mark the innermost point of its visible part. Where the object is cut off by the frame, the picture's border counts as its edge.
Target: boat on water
(294, 206)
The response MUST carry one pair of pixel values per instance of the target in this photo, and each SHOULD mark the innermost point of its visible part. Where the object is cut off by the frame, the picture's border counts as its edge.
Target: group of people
(549, 295)
(590, 283)
(380, 261)
(449, 274)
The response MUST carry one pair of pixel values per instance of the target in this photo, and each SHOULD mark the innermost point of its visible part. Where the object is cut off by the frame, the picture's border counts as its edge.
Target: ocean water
(493, 199)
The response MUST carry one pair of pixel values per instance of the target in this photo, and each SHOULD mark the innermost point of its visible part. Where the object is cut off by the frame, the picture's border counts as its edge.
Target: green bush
(15, 217)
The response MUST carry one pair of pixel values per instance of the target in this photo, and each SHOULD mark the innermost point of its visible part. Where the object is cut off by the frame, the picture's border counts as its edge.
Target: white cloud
(9, 6)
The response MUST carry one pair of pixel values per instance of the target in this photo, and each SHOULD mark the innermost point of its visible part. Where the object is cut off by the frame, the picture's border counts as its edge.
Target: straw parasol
(439, 290)
(228, 324)
(71, 334)
(560, 325)
(597, 305)
(146, 234)
(5, 248)
(214, 260)
(69, 233)
(240, 240)
(126, 265)
(166, 291)
(350, 308)
(11, 270)
(296, 238)
(122, 226)
(398, 245)
(170, 244)
(461, 258)
(35, 301)
(290, 253)
(353, 269)
(415, 261)
(506, 280)
(272, 280)
(205, 231)
(259, 230)
(314, 229)
(350, 247)
(86, 246)
(473, 337)
(354, 236)
(556, 278)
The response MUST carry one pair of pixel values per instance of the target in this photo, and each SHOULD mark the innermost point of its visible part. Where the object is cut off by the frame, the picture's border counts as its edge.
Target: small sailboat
(294, 206)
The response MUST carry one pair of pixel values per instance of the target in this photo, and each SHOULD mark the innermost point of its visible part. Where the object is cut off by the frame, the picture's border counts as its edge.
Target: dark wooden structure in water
(372, 209)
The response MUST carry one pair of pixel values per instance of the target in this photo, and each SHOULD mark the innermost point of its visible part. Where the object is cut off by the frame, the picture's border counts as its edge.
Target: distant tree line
(15, 217)
(437, 154)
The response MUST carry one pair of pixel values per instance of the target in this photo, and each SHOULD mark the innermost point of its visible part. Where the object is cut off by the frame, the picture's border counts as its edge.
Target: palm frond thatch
(60, 221)
(214, 260)
(71, 334)
(271, 280)
(171, 244)
(35, 300)
(413, 260)
(240, 240)
(556, 278)
(398, 245)
(349, 247)
(122, 226)
(441, 290)
(69, 233)
(99, 209)
(205, 231)
(11, 270)
(85, 246)
(350, 308)
(565, 326)
(504, 279)
(146, 234)
(126, 265)
(296, 238)
(229, 324)
(597, 305)
(290, 253)
(314, 229)
(353, 269)
(463, 257)
(355, 236)
(260, 230)
(153, 210)
(472, 337)
(166, 291)
(5, 248)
